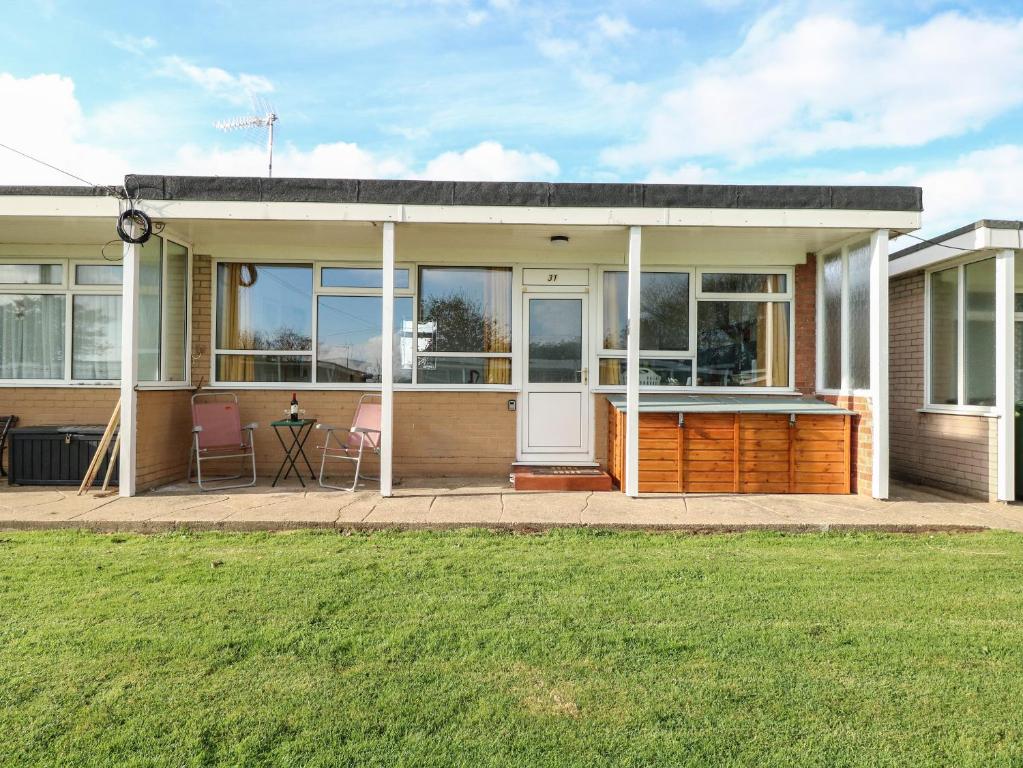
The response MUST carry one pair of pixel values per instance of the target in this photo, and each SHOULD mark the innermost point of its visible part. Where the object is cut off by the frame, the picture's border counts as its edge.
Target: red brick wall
(862, 440)
(805, 324)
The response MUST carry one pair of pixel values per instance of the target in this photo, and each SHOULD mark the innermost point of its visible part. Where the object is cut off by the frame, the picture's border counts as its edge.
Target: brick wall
(61, 406)
(805, 324)
(950, 451)
(163, 435)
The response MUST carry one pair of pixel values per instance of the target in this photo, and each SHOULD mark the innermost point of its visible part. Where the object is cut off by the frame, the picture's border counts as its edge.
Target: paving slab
(617, 509)
(412, 510)
(543, 508)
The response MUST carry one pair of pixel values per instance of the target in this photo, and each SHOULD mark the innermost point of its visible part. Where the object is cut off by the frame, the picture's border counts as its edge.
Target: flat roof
(980, 224)
(780, 404)
(495, 193)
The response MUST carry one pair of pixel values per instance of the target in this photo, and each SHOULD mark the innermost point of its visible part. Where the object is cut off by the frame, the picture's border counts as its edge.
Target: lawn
(475, 648)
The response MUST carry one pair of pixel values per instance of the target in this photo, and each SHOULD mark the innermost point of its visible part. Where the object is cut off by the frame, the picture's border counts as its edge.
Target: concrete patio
(489, 504)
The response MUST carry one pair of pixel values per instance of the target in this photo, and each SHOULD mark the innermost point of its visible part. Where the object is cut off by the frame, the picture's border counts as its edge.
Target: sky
(922, 92)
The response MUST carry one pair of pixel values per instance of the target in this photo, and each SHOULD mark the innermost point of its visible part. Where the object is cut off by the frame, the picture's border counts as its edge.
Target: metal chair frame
(346, 452)
(216, 453)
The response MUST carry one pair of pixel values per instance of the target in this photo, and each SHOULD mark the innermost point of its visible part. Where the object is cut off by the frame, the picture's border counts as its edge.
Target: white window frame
(516, 326)
(696, 294)
(411, 292)
(69, 288)
(959, 265)
(844, 388)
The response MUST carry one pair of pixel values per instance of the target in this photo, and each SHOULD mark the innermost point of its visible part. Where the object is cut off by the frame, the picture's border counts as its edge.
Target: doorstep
(560, 477)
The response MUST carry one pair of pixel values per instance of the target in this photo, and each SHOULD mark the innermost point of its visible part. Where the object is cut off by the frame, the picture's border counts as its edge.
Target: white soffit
(979, 239)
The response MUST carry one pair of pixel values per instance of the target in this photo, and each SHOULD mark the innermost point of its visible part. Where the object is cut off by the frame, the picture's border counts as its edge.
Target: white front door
(554, 424)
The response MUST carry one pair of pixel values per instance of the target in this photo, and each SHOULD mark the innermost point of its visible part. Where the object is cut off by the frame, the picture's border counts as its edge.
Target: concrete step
(560, 478)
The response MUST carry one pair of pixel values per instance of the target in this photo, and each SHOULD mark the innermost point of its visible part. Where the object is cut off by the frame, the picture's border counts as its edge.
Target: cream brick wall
(953, 452)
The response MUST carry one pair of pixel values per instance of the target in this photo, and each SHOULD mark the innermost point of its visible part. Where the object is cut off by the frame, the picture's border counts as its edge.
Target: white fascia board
(501, 214)
(982, 238)
(54, 205)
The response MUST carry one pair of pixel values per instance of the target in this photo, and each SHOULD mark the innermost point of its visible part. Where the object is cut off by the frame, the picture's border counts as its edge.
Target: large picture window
(60, 319)
(844, 331)
(732, 329)
(464, 327)
(961, 335)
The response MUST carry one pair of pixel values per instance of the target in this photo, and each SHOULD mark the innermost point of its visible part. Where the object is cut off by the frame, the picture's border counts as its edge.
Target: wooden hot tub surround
(703, 444)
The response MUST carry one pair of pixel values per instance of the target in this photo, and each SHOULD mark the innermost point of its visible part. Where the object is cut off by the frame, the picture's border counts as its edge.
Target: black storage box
(55, 455)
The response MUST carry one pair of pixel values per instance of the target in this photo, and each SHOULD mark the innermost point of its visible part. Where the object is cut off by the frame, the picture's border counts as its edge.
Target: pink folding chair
(363, 435)
(217, 433)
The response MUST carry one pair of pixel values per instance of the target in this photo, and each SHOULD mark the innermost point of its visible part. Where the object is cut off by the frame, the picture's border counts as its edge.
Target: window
(265, 324)
(60, 319)
(663, 329)
(741, 320)
(844, 328)
(961, 335)
(463, 334)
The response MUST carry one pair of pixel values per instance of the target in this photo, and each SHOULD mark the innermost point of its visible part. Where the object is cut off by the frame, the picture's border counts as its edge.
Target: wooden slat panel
(671, 487)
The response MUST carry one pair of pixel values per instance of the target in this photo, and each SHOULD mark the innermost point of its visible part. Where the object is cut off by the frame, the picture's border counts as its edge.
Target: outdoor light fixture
(559, 239)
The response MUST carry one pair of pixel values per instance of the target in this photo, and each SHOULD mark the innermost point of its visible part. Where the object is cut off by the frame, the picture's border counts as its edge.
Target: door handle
(584, 375)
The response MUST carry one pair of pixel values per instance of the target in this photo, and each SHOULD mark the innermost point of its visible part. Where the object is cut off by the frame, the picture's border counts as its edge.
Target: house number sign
(535, 276)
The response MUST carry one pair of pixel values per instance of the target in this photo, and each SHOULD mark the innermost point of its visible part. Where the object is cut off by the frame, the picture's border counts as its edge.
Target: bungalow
(957, 359)
(501, 322)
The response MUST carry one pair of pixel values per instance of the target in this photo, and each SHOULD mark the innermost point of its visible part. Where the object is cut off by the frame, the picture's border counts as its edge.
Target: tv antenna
(265, 120)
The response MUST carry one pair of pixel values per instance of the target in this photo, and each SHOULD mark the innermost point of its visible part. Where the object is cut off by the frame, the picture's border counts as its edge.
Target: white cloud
(53, 127)
(687, 173)
(475, 18)
(827, 82)
(236, 88)
(131, 44)
(489, 161)
(614, 28)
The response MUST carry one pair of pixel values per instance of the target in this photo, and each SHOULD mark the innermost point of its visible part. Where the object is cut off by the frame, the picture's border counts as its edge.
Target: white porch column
(879, 362)
(386, 364)
(632, 366)
(1005, 365)
(129, 368)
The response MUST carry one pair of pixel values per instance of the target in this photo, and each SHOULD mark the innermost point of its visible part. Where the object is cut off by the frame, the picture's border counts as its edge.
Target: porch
(491, 503)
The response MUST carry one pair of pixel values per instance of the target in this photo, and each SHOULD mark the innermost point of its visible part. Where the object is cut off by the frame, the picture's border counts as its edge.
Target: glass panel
(264, 306)
(465, 309)
(175, 350)
(348, 340)
(96, 337)
(31, 274)
(742, 344)
(150, 281)
(1018, 341)
(831, 314)
(271, 368)
(31, 337)
(737, 282)
(464, 370)
(944, 337)
(555, 341)
(980, 333)
(652, 372)
(859, 316)
(101, 274)
(663, 311)
(358, 277)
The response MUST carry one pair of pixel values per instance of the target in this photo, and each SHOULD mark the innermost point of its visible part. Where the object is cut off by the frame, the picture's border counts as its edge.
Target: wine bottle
(294, 407)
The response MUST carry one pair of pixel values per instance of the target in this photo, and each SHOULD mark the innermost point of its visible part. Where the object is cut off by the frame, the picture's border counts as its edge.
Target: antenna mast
(266, 120)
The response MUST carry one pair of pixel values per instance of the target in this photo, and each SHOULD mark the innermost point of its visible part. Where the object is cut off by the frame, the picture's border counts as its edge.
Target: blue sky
(727, 91)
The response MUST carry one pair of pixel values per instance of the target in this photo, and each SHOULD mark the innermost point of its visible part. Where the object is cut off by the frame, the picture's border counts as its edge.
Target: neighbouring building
(957, 359)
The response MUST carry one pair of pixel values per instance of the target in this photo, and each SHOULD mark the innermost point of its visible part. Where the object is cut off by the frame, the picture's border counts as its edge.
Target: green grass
(474, 648)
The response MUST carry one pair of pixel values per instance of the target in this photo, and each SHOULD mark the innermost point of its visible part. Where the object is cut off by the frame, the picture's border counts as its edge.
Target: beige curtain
(497, 329)
(773, 343)
(610, 372)
(234, 320)
(613, 327)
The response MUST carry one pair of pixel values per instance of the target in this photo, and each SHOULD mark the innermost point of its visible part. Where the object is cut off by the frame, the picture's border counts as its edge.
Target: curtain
(614, 322)
(497, 325)
(31, 336)
(610, 372)
(96, 337)
(235, 311)
(773, 343)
